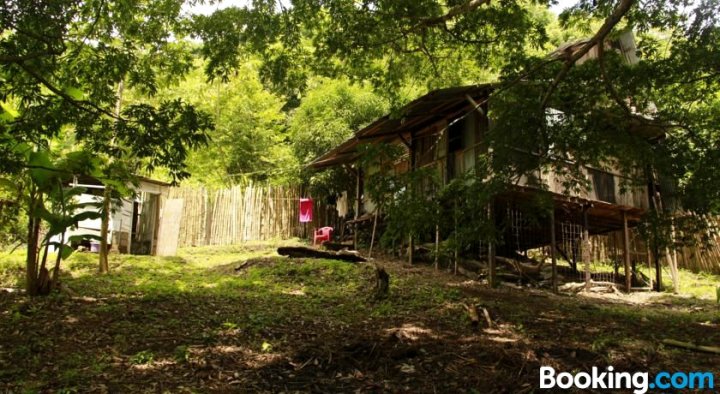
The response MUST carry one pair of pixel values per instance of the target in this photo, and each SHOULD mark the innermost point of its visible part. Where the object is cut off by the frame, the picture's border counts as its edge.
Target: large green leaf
(42, 170)
(23, 149)
(74, 93)
(65, 250)
(86, 215)
(87, 205)
(82, 237)
(42, 212)
(9, 113)
(71, 192)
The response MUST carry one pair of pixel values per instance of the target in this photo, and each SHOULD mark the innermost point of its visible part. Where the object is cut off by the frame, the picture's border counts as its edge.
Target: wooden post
(372, 237)
(357, 208)
(209, 211)
(658, 268)
(634, 251)
(411, 249)
(626, 252)
(456, 255)
(491, 249)
(234, 214)
(553, 245)
(648, 259)
(672, 261)
(413, 147)
(437, 241)
(654, 197)
(585, 252)
(156, 223)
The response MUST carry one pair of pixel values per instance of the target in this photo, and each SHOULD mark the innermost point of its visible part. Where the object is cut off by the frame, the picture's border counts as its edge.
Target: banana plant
(64, 213)
(51, 204)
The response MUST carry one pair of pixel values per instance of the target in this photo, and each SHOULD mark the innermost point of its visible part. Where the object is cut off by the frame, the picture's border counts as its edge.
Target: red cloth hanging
(306, 210)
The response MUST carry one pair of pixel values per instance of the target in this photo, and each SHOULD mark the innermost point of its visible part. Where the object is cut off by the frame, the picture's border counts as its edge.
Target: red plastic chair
(323, 235)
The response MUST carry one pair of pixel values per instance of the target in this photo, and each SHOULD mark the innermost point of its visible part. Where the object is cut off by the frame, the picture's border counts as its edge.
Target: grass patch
(194, 318)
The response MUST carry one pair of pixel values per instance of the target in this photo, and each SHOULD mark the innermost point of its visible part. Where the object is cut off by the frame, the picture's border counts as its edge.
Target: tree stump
(382, 283)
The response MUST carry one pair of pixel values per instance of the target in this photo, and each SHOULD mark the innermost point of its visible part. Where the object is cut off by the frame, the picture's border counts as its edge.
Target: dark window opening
(604, 186)
(455, 135)
(425, 150)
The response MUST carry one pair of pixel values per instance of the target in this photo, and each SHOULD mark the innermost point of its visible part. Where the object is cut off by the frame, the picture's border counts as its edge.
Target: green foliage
(391, 44)
(182, 354)
(405, 199)
(605, 112)
(331, 112)
(463, 210)
(142, 357)
(60, 65)
(63, 68)
(13, 225)
(43, 192)
(249, 141)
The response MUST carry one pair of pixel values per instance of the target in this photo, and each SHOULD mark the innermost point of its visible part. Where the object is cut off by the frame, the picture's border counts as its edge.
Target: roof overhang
(435, 106)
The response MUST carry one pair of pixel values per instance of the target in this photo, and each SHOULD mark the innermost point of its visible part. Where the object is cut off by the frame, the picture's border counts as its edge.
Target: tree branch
(464, 40)
(82, 105)
(620, 10)
(454, 12)
(10, 59)
(608, 84)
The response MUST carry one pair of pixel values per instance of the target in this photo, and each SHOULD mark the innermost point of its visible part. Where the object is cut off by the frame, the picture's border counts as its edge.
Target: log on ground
(691, 346)
(301, 251)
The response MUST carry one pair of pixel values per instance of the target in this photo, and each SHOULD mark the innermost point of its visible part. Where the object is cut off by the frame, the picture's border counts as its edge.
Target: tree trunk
(107, 195)
(56, 269)
(43, 281)
(31, 258)
(104, 224)
(437, 243)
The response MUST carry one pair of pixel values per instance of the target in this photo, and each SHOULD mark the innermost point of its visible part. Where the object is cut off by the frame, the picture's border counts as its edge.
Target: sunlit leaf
(9, 113)
(8, 185)
(74, 93)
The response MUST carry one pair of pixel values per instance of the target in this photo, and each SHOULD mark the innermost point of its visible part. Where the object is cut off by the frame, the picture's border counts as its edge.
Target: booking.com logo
(640, 382)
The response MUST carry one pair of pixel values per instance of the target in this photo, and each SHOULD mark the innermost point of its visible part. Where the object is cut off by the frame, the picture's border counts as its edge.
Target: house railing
(606, 186)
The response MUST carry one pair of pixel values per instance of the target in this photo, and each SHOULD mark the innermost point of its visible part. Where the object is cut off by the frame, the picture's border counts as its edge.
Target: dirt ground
(314, 328)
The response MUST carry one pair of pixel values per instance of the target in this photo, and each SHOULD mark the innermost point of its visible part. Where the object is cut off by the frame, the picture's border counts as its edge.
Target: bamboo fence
(705, 257)
(701, 257)
(257, 212)
(243, 213)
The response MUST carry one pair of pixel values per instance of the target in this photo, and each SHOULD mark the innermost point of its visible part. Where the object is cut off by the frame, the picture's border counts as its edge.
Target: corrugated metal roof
(424, 111)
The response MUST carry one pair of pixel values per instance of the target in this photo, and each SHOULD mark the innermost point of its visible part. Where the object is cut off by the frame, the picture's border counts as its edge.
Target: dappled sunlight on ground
(410, 332)
(240, 318)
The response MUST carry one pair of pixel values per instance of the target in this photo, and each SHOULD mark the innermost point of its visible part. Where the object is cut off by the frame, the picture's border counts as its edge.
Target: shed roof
(421, 112)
